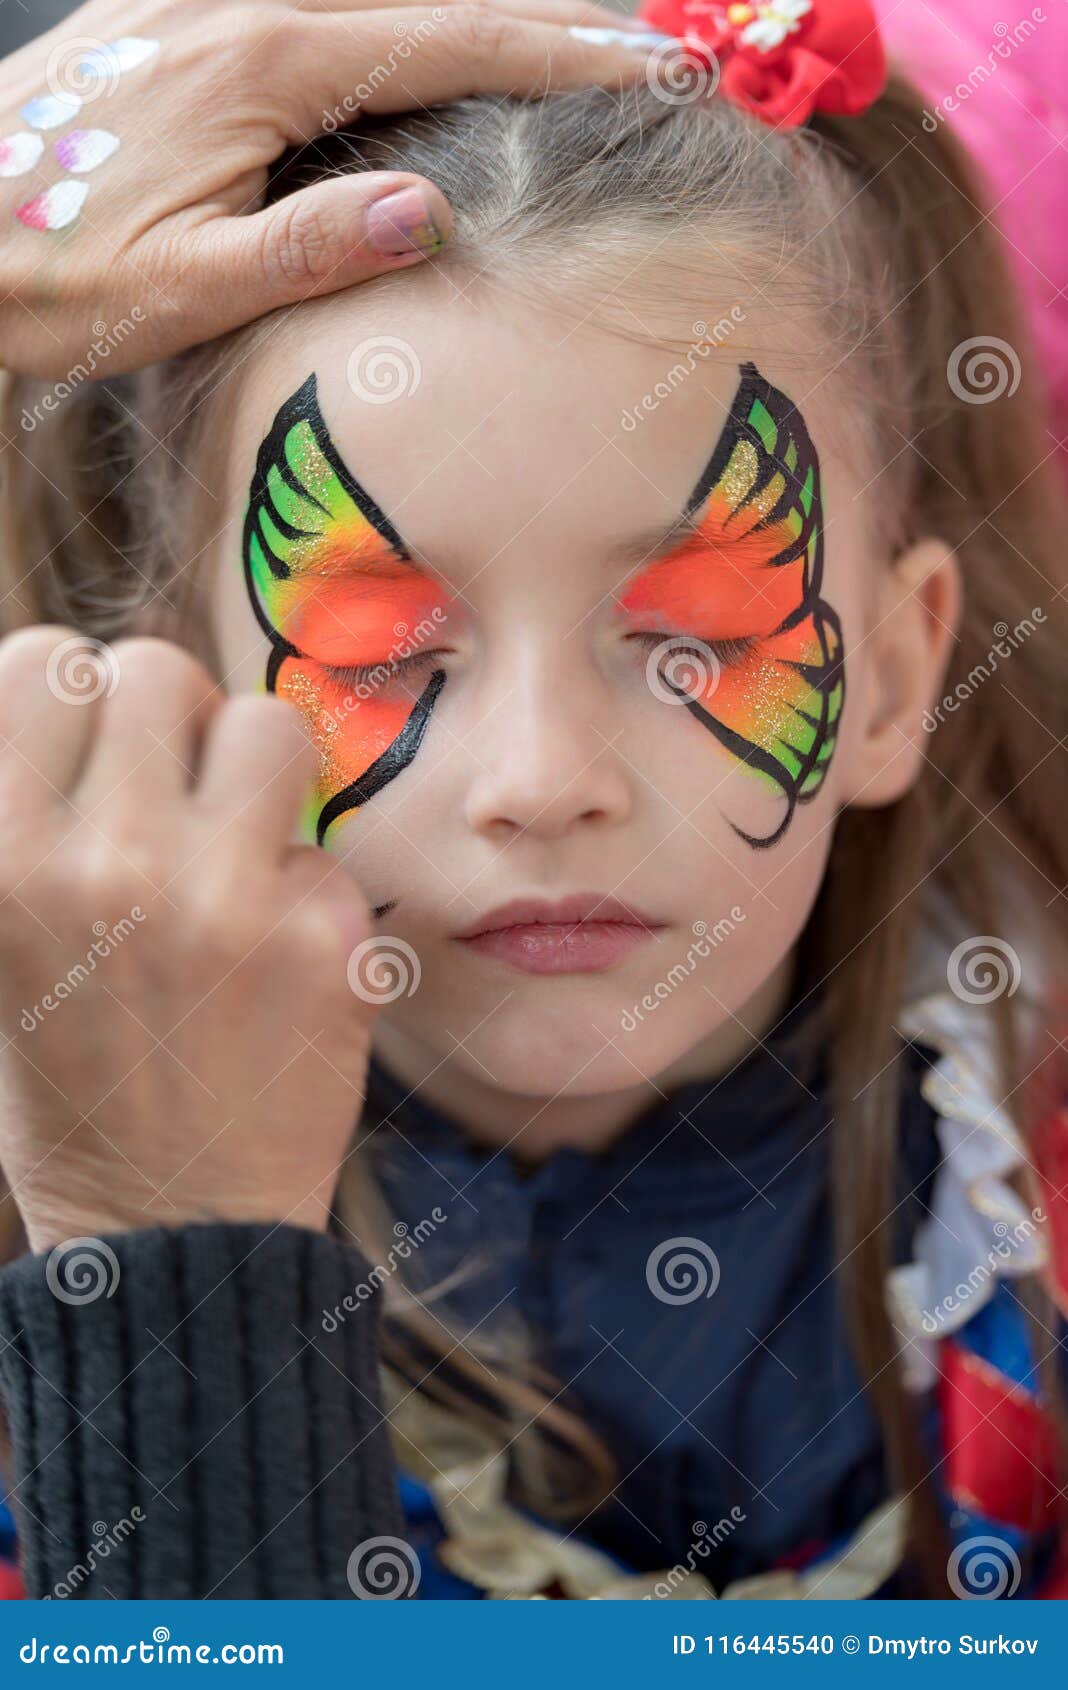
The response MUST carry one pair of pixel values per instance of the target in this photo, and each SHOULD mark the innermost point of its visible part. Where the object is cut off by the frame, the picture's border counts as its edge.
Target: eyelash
(366, 674)
(727, 652)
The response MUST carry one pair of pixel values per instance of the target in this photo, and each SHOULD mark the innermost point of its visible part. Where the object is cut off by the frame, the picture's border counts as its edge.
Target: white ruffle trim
(979, 1230)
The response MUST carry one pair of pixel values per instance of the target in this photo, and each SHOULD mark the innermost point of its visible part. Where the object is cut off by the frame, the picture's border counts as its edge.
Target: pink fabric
(1005, 94)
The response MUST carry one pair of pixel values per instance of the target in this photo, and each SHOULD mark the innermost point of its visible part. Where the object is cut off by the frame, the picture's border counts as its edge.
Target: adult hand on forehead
(165, 232)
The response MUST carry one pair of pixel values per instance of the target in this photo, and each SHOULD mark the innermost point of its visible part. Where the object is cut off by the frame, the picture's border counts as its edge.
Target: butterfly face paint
(746, 583)
(352, 620)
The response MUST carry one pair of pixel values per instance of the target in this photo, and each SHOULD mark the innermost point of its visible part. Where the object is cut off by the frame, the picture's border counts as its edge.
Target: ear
(906, 653)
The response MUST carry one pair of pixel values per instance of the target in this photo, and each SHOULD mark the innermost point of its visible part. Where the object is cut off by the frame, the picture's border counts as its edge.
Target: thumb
(324, 238)
(314, 876)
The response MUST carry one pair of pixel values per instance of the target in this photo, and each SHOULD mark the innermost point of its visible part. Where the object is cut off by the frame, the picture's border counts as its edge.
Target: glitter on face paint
(346, 610)
(740, 473)
(19, 153)
(83, 149)
(322, 726)
(48, 111)
(55, 208)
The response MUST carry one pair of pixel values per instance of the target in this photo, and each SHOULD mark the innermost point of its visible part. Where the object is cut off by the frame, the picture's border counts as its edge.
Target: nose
(545, 760)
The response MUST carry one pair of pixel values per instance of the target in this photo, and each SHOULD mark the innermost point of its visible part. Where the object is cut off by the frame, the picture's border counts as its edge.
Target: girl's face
(568, 615)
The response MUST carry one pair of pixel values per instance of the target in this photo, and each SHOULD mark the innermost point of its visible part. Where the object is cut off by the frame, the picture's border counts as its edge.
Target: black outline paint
(303, 406)
(787, 418)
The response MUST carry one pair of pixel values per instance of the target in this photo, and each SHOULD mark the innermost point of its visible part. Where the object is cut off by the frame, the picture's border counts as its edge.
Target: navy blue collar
(764, 1109)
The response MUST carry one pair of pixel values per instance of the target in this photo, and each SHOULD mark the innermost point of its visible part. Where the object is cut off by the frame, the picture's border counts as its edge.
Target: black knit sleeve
(186, 1423)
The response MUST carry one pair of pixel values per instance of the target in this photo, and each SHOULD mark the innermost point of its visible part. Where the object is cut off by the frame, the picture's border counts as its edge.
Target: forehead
(487, 428)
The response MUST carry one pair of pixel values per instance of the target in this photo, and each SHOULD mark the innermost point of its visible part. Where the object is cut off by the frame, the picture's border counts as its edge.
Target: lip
(584, 933)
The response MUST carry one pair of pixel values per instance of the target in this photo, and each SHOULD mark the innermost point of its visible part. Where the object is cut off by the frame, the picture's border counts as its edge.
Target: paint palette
(79, 151)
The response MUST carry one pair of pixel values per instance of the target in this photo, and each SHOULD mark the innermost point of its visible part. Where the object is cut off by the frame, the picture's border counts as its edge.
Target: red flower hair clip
(783, 59)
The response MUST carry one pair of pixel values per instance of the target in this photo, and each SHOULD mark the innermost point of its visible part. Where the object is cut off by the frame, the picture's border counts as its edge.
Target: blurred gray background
(21, 20)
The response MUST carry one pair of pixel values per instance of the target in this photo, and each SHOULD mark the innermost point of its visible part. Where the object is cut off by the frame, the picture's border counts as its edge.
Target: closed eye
(372, 676)
(364, 676)
(726, 652)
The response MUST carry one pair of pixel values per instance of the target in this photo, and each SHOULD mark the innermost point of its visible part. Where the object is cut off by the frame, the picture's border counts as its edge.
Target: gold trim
(513, 1558)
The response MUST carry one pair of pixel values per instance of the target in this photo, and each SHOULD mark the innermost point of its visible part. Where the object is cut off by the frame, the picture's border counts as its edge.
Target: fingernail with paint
(402, 223)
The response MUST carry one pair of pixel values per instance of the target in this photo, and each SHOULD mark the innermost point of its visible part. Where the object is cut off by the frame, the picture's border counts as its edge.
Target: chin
(559, 1054)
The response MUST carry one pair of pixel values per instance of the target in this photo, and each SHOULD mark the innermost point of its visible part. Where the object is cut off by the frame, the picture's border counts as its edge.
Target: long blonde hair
(876, 229)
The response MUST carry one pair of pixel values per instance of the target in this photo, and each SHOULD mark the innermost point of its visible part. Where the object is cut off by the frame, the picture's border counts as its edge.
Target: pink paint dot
(55, 208)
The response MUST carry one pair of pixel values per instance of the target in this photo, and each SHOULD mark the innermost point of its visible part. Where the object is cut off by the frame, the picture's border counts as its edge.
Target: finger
(350, 228)
(256, 774)
(313, 875)
(551, 11)
(330, 236)
(51, 683)
(562, 13)
(152, 725)
(431, 57)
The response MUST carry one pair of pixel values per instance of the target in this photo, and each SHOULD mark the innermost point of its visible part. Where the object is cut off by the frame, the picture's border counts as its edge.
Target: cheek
(766, 676)
(350, 731)
(357, 723)
(743, 913)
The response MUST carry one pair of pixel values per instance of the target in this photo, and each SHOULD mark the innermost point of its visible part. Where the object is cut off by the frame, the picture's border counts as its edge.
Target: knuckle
(113, 878)
(147, 654)
(266, 716)
(310, 937)
(479, 30)
(304, 243)
(220, 928)
(31, 645)
(243, 37)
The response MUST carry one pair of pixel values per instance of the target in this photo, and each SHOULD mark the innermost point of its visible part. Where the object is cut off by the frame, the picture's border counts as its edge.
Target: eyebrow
(634, 553)
(654, 543)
